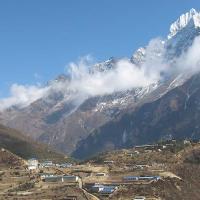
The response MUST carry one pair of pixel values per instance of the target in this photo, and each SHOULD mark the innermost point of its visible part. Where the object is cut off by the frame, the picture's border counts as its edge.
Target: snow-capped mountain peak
(138, 56)
(104, 66)
(190, 17)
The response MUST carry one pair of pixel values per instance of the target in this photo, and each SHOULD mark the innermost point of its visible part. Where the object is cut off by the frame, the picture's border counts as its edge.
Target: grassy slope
(184, 162)
(25, 147)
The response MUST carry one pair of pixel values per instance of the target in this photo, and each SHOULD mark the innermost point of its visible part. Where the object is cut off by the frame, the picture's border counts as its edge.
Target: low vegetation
(25, 147)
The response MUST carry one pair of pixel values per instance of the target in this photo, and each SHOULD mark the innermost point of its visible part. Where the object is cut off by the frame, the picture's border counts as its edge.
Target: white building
(139, 198)
(33, 164)
(47, 163)
(108, 162)
(185, 142)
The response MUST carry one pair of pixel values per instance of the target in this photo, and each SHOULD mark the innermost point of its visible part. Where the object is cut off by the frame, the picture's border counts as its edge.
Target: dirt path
(90, 196)
(169, 174)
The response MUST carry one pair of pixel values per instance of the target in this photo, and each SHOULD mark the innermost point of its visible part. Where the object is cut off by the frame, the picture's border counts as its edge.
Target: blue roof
(69, 176)
(97, 186)
(149, 177)
(142, 177)
(110, 187)
(107, 190)
(131, 177)
(53, 177)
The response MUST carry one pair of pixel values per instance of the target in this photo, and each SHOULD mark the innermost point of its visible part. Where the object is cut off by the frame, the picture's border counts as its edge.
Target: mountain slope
(176, 115)
(24, 147)
(68, 120)
(62, 124)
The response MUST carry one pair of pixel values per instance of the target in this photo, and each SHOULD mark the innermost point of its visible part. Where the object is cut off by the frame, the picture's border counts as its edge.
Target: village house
(65, 165)
(96, 187)
(139, 198)
(186, 142)
(131, 178)
(60, 178)
(107, 190)
(149, 178)
(54, 178)
(101, 174)
(141, 178)
(33, 164)
(47, 163)
(45, 175)
(108, 162)
(70, 179)
(103, 189)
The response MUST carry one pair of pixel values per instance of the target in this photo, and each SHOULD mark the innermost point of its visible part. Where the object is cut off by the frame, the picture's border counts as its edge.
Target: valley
(81, 117)
(122, 128)
(168, 170)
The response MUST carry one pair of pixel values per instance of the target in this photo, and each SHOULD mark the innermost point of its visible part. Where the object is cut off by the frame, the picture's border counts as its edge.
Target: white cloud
(190, 60)
(124, 75)
(21, 95)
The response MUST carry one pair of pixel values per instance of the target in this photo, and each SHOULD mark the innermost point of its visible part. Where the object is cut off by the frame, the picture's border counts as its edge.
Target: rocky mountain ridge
(62, 120)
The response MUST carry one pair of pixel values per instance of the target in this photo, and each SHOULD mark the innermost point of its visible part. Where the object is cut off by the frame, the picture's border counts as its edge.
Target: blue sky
(38, 38)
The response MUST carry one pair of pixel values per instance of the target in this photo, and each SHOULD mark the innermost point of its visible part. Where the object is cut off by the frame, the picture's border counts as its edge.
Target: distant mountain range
(167, 107)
